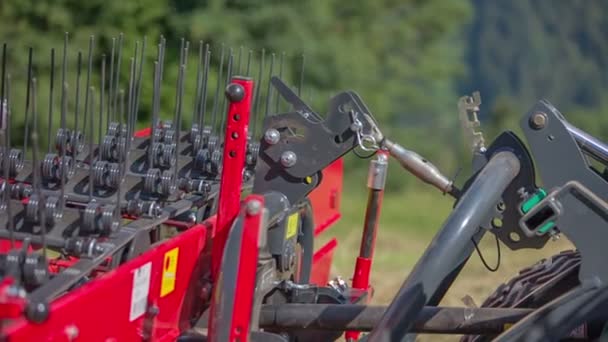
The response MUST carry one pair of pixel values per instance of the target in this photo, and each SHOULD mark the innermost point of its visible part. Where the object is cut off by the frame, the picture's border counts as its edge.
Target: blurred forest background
(410, 60)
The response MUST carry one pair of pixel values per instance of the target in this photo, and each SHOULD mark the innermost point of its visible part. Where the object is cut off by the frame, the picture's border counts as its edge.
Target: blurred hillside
(409, 60)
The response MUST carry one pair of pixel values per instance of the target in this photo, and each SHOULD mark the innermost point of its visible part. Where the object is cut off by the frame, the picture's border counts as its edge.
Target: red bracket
(239, 94)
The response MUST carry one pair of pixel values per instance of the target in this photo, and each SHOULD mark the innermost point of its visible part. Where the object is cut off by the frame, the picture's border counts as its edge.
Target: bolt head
(235, 92)
(254, 207)
(288, 159)
(538, 121)
(272, 136)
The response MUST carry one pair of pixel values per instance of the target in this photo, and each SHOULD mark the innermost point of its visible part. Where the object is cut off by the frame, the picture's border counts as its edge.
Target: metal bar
(232, 164)
(430, 320)
(559, 317)
(376, 181)
(588, 143)
(449, 248)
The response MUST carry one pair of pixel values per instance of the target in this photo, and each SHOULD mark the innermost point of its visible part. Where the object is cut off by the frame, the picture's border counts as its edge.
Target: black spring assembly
(15, 161)
(99, 219)
(106, 175)
(52, 167)
(157, 182)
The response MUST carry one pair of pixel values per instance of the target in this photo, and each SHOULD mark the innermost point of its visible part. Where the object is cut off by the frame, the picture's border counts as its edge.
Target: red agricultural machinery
(211, 233)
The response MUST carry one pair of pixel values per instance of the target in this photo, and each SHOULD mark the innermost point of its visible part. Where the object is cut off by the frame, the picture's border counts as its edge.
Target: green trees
(523, 50)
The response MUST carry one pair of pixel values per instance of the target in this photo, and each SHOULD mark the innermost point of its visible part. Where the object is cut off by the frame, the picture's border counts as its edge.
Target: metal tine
(203, 106)
(117, 78)
(138, 92)
(186, 49)
(110, 90)
(217, 91)
(249, 55)
(199, 81)
(178, 112)
(269, 88)
(121, 114)
(258, 90)
(130, 100)
(154, 112)
(161, 65)
(11, 221)
(238, 60)
(228, 78)
(36, 174)
(27, 100)
(51, 86)
(132, 91)
(64, 67)
(91, 95)
(163, 43)
(301, 85)
(76, 109)
(177, 116)
(281, 60)
(5, 91)
(101, 102)
(64, 108)
(181, 50)
(88, 83)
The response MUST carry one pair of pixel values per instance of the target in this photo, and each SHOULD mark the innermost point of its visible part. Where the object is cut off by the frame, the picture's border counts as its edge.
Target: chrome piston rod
(588, 143)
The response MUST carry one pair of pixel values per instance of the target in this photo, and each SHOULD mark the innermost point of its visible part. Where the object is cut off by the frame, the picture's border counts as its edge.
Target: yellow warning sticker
(507, 326)
(292, 225)
(169, 272)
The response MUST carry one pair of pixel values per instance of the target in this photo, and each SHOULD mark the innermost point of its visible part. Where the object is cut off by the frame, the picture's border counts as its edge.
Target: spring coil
(212, 143)
(202, 156)
(15, 161)
(214, 165)
(52, 167)
(63, 136)
(77, 143)
(157, 152)
(151, 180)
(90, 218)
(32, 209)
(196, 141)
(194, 132)
(100, 170)
(109, 220)
(113, 176)
(169, 136)
(117, 130)
(108, 145)
(54, 211)
(253, 150)
(169, 157)
(167, 183)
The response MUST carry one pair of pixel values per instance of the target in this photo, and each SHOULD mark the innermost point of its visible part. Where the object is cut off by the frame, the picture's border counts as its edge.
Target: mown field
(409, 221)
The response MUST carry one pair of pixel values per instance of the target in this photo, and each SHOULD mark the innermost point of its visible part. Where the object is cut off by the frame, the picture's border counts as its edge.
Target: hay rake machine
(208, 234)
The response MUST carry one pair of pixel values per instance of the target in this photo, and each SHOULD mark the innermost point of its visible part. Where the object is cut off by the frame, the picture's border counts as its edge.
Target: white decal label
(141, 288)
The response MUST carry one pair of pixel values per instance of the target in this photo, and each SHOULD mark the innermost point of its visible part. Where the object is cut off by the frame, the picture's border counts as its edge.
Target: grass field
(409, 221)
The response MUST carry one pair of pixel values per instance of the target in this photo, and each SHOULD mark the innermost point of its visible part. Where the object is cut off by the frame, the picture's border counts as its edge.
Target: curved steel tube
(450, 247)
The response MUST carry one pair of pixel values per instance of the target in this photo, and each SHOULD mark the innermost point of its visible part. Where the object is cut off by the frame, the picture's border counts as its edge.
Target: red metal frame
(235, 148)
(325, 201)
(175, 266)
(100, 309)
